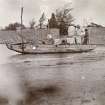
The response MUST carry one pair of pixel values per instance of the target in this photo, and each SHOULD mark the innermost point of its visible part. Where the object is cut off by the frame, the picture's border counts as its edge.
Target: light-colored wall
(9, 36)
(96, 35)
(55, 33)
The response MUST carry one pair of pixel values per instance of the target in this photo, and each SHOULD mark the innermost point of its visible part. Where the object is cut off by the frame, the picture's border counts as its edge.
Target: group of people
(80, 33)
(76, 35)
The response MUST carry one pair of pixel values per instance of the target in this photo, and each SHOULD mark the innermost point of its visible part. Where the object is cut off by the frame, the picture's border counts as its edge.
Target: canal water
(52, 79)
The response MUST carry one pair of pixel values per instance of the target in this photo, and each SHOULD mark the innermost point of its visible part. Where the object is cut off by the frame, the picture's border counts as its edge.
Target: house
(96, 34)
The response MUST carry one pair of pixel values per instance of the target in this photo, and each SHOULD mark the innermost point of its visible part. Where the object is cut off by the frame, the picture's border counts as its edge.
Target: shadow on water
(36, 96)
(40, 94)
(3, 101)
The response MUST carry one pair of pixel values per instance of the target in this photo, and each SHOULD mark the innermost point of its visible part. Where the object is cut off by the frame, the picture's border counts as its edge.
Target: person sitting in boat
(57, 42)
(50, 39)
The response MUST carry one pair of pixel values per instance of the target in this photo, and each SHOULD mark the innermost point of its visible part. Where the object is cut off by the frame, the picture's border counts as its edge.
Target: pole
(21, 29)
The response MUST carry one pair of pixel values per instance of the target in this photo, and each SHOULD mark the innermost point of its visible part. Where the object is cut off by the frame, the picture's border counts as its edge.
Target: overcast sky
(84, 10)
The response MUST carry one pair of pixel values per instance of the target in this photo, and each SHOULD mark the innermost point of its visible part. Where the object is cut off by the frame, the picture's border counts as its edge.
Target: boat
(28, 48)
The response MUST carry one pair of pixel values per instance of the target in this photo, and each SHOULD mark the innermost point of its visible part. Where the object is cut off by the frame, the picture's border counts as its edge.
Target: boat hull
(46, 49)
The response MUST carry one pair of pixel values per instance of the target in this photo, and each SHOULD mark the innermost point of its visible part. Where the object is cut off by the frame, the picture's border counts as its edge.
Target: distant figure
(71, 31)
(77, 33)
(77, 30)
(86, 37)
(75, 39)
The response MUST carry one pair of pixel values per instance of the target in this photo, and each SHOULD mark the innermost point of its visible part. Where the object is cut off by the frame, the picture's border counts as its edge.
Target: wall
(9, 36)
(28, 35)
(96, 35)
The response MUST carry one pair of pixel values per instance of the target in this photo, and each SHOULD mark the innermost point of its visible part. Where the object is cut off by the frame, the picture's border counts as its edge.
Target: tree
(63, 28)
(41, 20)
(14, 26)
(10, 27)
(53, 22)
(32, 23)
(64, 18)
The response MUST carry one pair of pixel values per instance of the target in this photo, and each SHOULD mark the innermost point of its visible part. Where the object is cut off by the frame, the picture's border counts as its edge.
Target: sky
(84, 11)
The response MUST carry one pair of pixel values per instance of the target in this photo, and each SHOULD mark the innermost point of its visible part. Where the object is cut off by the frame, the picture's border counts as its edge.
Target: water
(52, 79)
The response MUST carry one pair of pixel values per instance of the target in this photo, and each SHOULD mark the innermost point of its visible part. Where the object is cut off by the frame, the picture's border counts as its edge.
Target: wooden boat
(47, 49)
(29, 48)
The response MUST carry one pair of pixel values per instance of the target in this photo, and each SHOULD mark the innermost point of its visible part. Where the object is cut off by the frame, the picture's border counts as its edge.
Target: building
(96, 34)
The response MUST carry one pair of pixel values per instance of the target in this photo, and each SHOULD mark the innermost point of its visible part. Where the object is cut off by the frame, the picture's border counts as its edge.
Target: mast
(21, 29)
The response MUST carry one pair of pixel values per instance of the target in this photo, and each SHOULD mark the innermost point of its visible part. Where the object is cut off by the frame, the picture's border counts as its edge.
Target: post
(21, 29)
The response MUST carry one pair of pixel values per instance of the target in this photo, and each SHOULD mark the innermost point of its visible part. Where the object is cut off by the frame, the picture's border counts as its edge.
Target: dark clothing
(86, 37)
(75, 41)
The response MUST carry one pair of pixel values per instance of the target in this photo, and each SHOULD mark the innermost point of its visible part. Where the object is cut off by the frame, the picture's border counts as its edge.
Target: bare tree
(32, 23)
(42, 19)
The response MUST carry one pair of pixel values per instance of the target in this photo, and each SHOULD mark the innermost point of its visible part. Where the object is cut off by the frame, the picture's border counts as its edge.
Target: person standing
(86, 37)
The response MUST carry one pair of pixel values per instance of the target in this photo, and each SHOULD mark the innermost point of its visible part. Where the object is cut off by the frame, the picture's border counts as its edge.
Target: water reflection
(57, 79)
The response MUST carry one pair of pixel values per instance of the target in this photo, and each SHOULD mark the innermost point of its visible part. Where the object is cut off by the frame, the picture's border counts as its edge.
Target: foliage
(53, 22)
(13, 26)
(64, 18)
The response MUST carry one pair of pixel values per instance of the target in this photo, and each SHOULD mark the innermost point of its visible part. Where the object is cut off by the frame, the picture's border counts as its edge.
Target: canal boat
(28, 48)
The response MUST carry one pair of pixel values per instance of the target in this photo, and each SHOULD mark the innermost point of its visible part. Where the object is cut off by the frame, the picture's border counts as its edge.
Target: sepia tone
(52, 52)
